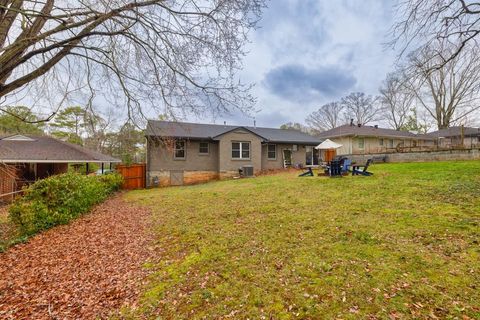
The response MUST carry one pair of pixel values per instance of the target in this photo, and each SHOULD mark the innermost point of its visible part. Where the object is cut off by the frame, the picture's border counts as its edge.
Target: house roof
(214, 131)
(43, 149)
(368, 131)
(456, 131)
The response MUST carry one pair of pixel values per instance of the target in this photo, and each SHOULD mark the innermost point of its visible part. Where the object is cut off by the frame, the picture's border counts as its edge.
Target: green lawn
(403, 243)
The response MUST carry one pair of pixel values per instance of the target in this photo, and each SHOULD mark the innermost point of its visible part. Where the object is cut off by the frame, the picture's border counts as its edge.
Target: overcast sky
(310, 52)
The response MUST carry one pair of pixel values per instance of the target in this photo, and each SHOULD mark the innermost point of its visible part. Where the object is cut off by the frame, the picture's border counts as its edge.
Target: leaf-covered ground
(402, 244)
(84, 270)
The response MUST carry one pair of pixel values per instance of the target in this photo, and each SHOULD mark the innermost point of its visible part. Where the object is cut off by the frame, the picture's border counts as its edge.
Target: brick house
(184, 153)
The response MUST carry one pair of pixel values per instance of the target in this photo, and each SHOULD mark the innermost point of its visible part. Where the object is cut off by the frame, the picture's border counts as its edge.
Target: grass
(403, 243)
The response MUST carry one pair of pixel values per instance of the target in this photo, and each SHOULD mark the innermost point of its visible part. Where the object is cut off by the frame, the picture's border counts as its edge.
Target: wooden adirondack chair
(335, 169)
(362, 170)
(308, 173)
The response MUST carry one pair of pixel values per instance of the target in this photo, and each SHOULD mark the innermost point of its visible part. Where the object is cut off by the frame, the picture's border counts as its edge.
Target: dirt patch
(83, 270)
(269, 172)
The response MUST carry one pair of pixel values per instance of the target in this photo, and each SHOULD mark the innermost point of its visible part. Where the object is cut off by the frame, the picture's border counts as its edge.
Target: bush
(59, 199)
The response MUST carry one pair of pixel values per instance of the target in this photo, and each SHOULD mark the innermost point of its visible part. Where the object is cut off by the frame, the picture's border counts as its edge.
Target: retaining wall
(420, 156)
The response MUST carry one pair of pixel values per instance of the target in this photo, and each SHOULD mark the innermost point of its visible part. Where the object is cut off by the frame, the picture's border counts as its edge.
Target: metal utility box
(248, 171)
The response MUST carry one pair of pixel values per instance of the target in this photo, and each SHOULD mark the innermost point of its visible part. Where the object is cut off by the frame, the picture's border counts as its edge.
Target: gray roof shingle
(44, 149)
(213, 131)
(455, 132)
(367, 131)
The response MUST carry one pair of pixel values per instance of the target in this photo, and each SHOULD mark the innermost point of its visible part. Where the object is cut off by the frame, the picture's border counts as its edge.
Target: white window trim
(382, 142)
(204, 153)
(241, 150)
(358, 143)
(268, 152)
(184, 150)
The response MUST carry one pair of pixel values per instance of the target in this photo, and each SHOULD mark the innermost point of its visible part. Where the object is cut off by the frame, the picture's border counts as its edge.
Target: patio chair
(335, 168)
(346, 165)
(362, 170)
(308, 173)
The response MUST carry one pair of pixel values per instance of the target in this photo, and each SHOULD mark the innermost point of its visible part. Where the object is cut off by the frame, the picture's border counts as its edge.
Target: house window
(272, 151)
(203, 148)
(361, 143)
(380, 142)
(240, 150)
(390, 143)
(179, 150)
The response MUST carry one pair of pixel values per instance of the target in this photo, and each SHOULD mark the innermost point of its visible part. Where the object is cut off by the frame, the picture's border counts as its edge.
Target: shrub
(112, 181)
(59, 199)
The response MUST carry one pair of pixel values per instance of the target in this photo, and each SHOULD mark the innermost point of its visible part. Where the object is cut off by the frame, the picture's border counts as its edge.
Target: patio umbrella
(327, 145)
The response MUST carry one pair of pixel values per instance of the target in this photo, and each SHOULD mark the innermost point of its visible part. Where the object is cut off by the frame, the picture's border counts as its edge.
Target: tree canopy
(175, 57)
(10, 124)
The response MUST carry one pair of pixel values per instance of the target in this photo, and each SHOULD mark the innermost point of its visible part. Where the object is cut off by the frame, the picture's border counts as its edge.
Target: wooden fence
(134, 175)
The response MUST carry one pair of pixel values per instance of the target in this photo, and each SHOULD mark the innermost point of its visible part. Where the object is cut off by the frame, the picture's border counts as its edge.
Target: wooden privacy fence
(134, 176)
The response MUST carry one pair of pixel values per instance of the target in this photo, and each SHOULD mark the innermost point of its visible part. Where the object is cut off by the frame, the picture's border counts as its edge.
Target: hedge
(59, 199)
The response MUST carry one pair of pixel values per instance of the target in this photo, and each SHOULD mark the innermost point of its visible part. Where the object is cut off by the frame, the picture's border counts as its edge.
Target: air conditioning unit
(248, 171)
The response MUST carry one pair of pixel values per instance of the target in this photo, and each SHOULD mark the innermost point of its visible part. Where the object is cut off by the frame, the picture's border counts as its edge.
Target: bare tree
(422, 22)
(361, 108)
(173, 57)
(397, 100)
(294, 126)
(451, 92)
(96, 127)
(326, 117)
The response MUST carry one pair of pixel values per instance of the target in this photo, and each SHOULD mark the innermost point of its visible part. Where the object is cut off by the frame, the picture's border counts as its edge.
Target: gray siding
(160, 157)
(298, 157)
(226, 163)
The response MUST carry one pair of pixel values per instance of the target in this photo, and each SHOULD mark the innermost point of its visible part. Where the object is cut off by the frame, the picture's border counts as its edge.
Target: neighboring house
(467, 137)
(357, 139)
(183, 153)
(26, 158)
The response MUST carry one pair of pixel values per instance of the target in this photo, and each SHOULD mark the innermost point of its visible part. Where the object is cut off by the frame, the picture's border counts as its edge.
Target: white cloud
(344, 35)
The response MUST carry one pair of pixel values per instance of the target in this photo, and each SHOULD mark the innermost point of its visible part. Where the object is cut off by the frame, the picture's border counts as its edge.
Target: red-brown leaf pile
(86, 269)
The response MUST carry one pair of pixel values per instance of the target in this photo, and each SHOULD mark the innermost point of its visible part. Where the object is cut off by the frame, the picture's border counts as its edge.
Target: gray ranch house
(185, 153)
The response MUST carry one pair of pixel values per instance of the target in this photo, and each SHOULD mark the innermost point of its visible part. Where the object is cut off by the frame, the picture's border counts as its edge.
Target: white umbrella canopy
(328, 144)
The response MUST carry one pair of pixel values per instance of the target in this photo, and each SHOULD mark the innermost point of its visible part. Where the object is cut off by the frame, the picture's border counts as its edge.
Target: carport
(25, 159)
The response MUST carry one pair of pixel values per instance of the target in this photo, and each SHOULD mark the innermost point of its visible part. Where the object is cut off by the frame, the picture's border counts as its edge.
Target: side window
(390, 143)
(236, 150)
(272, 151)
(203, 148)
(380, 142)
(245, 150)
(179, 150)
(361, 143)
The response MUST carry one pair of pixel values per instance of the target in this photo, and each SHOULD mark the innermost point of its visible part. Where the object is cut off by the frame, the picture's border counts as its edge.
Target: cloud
(298, 83)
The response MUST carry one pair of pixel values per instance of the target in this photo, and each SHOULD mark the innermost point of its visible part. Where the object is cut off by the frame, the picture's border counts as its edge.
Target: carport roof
(44, 149)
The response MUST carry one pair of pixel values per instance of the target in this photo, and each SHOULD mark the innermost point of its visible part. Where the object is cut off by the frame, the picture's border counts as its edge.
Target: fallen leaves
(86, 269)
